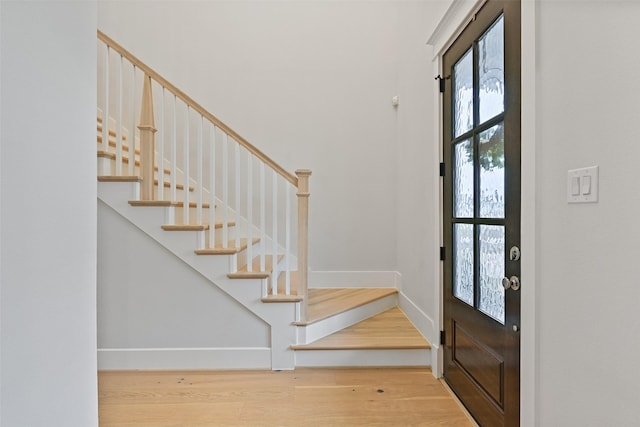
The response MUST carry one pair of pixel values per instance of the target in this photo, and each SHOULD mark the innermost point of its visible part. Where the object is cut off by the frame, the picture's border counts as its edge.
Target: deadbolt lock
(514, 253)
(513, 283)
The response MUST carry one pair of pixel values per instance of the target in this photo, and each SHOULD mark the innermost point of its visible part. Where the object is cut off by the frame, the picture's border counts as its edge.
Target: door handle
(513, 283)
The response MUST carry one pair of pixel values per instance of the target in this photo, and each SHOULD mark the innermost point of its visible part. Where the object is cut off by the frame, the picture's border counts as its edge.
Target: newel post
(147, 142)
(303, 238)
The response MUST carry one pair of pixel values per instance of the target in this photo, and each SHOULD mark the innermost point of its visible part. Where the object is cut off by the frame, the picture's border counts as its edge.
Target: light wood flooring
(327, 302)
(388, 330)
(304, 397)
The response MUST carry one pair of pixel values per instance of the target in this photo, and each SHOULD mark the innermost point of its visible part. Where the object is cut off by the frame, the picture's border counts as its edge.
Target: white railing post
(263, 221)
(225, 190)
(303, 241)
(237, 197)
(174, 152)
(147, 141)
(132, 134)
(160, 174)
(185, 170)
(212, 188)
(287, 241)
(118, 129)
(249, 211)
(199, 190)
(274, 236)
(105, 110)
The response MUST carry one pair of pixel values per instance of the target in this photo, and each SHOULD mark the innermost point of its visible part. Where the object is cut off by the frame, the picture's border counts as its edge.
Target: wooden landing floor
(388, 330)
(324, 303)
(304, 397)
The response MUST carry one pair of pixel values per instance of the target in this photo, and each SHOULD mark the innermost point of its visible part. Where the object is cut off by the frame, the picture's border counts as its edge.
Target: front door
(482, 215)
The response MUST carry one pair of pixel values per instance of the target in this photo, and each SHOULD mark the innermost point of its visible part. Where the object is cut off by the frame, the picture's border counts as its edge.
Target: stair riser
(323, 328)
(107, 166)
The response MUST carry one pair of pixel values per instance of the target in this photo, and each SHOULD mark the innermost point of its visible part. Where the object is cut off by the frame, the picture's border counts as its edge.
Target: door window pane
(492, 172)
(463, 94)
(491, 247)
(463, 180)
(491, 71)
(463, 262)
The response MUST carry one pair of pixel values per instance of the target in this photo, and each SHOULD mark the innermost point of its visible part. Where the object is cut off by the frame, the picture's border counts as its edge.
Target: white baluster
(249, 211)
(263, 222)
(174, 151)
(287, 240)
(133, 127)
(212, 187)
(119, 120)
(274, 259)
(160, 147)
(105, 110)
(225, 190)
(185, 171)
(199, 175)
(238, 204)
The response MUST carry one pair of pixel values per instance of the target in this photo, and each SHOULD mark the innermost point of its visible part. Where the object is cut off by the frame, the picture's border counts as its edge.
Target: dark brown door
(482, 215)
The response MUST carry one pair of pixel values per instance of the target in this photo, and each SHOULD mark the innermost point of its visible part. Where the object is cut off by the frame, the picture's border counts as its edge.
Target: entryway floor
(304, 397)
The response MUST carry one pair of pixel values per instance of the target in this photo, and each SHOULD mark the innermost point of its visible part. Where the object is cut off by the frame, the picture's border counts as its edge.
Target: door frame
(455, 19)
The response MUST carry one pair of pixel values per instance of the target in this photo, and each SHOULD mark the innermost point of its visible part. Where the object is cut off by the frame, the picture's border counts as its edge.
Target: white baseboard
(354, 279)
(419, 318)
(183, 358)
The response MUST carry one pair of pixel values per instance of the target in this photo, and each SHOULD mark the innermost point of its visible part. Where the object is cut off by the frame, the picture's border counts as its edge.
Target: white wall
(416, 159)
(48, 211)
(148, 298)
(587, 282)
(308, 82)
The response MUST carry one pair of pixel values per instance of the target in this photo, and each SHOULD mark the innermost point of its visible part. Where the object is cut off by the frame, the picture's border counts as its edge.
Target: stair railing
(199, 153)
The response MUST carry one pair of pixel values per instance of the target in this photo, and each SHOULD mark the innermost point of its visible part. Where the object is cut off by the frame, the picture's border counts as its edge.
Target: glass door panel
(491, 158)
(463, 180)
(491, 248)
(491, 71)
(463, 94)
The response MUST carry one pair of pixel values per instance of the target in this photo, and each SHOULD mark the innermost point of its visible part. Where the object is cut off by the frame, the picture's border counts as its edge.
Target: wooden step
(242, 272)
(229, 250)
(390, 330)
(122, 178)
(113, 142)
(281, 296)
(194, 227)
(166, 203)
(125, 159)
(326, 302)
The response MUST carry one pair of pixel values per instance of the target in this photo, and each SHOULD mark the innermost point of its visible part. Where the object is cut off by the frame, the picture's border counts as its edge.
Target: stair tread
(281, 296)
(165, 203)
(326, 302)
(242, 272)
(229, 250)
(122, 178)
(193, 227)
(390, 330)
(125, 159)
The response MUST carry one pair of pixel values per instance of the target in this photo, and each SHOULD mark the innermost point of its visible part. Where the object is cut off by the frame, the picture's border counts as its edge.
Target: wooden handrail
(197, 107)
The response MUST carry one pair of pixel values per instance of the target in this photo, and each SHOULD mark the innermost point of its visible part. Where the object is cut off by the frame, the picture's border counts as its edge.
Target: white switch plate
(588, 193)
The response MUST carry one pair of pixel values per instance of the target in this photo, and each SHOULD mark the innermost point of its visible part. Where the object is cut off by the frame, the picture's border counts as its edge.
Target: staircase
(225, 209)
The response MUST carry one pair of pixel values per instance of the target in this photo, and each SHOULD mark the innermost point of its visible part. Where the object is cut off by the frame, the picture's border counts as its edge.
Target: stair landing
(326, 302)
(390, 330)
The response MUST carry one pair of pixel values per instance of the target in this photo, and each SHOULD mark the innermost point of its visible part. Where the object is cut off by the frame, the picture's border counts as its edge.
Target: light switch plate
(588, 177)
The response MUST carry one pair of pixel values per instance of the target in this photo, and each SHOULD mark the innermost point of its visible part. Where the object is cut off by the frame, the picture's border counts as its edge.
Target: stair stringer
(248, 292)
